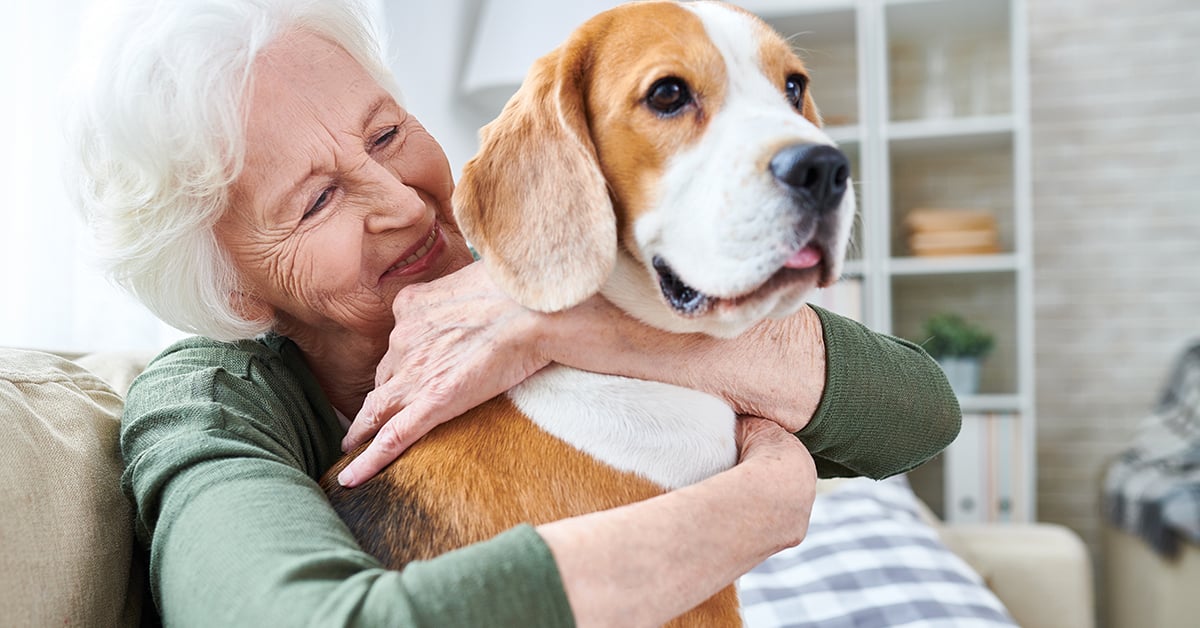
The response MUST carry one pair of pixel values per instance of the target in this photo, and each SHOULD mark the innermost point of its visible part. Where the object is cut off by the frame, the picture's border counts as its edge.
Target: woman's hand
(690, 542)
(458, 341)
(786, 466)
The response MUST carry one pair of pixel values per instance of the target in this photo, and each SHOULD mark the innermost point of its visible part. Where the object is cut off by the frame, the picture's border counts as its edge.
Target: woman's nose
(390, 203)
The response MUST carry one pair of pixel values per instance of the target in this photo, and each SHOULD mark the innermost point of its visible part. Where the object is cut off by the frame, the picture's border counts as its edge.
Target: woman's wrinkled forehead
(302, 66)
(306, 92)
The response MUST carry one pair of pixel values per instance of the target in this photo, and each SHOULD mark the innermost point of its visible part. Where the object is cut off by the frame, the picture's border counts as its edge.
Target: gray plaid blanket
(1153, 488)
(868, 561)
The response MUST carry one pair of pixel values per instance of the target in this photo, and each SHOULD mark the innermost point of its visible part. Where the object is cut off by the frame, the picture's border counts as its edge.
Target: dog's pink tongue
(806, 257)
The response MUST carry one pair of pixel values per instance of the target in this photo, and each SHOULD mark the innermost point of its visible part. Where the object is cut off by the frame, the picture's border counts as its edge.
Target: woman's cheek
(326, 259)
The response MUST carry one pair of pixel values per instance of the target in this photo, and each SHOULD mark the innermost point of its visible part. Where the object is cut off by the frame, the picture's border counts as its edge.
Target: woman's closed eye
(321, 201)
(386, 137)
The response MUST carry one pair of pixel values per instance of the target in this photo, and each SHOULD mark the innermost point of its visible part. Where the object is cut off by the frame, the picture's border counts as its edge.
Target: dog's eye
(796, 84)
(668, 95)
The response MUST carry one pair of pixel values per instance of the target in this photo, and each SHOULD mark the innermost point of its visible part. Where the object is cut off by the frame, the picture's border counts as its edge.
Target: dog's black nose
(815, 172)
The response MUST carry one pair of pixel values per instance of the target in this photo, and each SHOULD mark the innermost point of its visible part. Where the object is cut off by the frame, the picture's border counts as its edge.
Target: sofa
(1145, 588)
(1151, 507)
(70, 557)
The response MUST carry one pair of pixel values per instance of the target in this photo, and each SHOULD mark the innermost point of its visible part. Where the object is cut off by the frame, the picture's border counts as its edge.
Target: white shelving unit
(929, 98)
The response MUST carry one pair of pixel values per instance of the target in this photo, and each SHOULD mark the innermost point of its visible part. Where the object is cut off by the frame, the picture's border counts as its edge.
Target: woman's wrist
(785, 360)
(597, 336)
(779, 479)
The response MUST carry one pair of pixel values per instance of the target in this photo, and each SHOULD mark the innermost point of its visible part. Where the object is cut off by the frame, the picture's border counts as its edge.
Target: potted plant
(958, 346)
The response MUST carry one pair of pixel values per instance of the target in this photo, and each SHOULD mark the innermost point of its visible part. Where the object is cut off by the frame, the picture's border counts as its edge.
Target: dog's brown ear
(533, 201)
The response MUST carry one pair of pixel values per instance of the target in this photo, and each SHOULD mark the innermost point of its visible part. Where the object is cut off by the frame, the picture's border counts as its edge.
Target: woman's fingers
(459, 343)
(381, 403)
(396, 435)
(782, 466)
(758, 437)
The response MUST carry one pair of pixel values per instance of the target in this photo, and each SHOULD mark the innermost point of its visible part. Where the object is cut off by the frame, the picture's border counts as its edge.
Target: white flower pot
(963, 373)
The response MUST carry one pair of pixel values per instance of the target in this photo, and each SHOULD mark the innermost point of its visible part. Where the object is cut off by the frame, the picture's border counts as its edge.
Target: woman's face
(344, 198)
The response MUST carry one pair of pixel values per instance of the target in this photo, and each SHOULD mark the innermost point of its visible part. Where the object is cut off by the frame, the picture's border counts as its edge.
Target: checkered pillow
(868, 560)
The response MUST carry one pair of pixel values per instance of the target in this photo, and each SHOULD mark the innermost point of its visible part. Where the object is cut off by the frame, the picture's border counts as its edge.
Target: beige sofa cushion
(65, 526)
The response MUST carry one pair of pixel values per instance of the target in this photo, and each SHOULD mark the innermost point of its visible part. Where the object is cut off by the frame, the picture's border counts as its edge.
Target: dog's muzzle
(814, 174)
(814, 177)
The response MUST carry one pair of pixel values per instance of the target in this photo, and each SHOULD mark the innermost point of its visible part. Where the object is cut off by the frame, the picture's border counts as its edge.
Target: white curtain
(52, 296)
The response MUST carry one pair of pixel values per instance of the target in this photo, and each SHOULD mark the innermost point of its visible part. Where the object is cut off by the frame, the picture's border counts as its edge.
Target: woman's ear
(533, 201)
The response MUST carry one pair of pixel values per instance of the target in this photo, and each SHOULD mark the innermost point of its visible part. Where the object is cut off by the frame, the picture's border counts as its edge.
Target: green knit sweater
(222, 444)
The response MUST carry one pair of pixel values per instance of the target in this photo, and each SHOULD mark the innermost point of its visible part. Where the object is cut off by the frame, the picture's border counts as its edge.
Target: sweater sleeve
(221, 444)
(887, 406)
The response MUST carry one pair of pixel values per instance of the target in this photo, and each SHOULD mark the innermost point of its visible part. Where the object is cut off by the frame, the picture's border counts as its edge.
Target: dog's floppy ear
(533, 201)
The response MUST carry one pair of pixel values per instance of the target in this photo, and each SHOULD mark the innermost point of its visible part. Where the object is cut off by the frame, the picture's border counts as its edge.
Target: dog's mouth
(808, 264)
(683, 298)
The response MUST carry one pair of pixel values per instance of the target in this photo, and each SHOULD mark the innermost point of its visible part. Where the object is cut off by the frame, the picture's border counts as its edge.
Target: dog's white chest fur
(669, 435)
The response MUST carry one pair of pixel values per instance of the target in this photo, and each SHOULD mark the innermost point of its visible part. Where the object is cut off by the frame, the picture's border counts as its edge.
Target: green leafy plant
(950, 335)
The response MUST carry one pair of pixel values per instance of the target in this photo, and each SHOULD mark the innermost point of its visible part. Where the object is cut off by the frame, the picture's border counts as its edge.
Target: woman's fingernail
(345, 477)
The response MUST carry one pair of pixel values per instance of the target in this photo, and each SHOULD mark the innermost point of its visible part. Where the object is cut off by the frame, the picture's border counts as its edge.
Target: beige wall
(1116, 194)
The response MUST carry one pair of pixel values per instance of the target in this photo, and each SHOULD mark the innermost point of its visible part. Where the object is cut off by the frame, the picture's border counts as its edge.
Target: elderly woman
(249, 171)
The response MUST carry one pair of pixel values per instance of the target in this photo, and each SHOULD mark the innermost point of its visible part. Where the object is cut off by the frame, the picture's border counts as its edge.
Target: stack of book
(938, 231)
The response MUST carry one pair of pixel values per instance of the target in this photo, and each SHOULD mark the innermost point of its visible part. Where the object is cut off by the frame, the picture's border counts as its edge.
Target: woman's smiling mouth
(418, 258)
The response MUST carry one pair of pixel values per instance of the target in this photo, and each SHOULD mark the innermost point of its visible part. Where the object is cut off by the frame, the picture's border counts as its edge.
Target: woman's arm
(221, 445)
(775, 370)
(864, 403)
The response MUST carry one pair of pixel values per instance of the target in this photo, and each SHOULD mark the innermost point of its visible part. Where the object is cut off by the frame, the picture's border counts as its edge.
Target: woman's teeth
(425, 246)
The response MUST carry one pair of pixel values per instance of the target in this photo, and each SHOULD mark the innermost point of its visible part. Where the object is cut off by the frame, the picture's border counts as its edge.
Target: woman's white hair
(158, 135)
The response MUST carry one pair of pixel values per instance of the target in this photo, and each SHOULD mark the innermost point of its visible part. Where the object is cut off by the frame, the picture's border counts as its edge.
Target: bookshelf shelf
(950, 134)
(1000, 263)
(929, 98)
(990, 403)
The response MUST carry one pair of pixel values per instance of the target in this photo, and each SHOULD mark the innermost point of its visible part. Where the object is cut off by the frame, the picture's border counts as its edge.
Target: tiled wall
(1116, 194)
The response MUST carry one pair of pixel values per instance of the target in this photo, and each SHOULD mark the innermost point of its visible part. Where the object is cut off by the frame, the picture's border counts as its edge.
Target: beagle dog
(669, 157)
